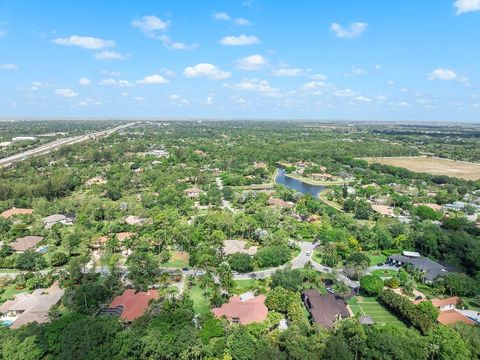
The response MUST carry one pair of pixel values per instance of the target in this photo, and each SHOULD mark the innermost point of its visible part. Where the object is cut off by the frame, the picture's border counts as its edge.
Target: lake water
(297, 185)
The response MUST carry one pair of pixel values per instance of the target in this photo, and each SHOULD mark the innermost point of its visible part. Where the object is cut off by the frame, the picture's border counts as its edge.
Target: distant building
(130, 305)
(97, 180)
(193, 192)
(383, 210)
(430, 268)
(260, 165)
(159, 153)
(136, 220)
(244, 309)
(51, 220)
(23, 244)
(280, 203)
(24, 138)
(325, 310)
(29, 308)
(15, 211)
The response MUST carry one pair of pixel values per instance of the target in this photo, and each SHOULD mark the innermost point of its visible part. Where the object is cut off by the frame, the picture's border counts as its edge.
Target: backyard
(370, 306)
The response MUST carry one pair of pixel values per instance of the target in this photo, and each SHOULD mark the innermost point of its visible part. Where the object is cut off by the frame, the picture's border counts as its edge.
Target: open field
(377, 259)
(371, 307)
(432, 165)
(385, 273)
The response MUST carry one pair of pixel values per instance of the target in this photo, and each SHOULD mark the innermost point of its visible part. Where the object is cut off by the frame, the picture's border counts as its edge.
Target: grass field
(385, 273)
(432, 165)
(471, 304)
(10, 293)
(371, 307)
(377, 259)
(200, 303)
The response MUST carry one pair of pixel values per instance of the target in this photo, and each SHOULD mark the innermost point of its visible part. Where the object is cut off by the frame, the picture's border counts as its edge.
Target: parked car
(308, 253)
(419, 297)
(330, 290)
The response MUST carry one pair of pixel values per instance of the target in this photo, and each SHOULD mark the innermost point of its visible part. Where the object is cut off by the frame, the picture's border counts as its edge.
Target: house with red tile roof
(244, 309)
(449, 317)
(25, 243)
(15, 211)
(280, 203)
(132, 304)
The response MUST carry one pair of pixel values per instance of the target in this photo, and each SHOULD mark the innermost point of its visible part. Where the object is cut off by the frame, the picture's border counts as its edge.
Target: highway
(47, 148)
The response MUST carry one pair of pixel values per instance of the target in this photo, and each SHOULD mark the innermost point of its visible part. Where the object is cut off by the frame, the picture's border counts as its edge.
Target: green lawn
(371, 307)
(200, 303)
(377, 258)
(10, 293)
(242, 286)
(177, 260)
(385, 272)
(471, 304)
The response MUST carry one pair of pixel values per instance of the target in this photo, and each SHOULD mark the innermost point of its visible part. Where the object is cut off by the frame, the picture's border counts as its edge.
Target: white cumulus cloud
(465, 6)
(85, 42)
(287, 72)
(447, 75)
(206, 70)
(84, 81)
(150, 23)
(66, 92)
(221, 15)
(240, 40)
(353, 30)
(115, 82)
(153, 80)
(109, 55)
(9, 66)
(252, 62)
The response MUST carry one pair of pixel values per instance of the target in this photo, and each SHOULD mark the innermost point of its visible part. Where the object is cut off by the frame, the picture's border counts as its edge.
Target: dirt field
(432, 165)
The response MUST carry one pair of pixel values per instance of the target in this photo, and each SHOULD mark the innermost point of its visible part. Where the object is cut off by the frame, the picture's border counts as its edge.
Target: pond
(297, 185)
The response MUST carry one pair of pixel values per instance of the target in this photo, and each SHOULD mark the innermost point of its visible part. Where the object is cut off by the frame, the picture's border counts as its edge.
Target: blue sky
(366, 60)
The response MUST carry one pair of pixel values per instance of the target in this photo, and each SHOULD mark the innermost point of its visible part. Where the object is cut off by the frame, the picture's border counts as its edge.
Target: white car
(308, 253)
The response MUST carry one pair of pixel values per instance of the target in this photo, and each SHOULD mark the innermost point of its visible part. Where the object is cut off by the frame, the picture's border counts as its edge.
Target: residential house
(193, 192)
(23, 244)
(243, 309)
(280, 203)
(325, 310)
(383, 210)
(260, 165)
(51, 220)
(130, 305)
(323, 177)
(136, 220)
(449, 317)
(15, 211)
(29, 308)
(430, 268)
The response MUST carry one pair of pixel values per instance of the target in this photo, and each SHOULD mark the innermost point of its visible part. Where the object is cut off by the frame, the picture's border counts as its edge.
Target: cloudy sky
(303, 59)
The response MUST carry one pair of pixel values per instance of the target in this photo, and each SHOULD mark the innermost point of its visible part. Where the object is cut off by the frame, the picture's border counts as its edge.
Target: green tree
(142, 269)
(371, 284)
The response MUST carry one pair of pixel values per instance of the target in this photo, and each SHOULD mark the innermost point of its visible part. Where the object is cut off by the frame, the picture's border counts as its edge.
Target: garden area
(370, 306)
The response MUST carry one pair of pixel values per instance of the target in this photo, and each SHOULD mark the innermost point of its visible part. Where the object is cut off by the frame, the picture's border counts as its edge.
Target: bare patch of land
(432, 165)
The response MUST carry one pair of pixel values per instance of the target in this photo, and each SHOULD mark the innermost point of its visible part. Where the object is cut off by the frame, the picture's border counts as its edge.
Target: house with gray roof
(431, 269)
(325, 310)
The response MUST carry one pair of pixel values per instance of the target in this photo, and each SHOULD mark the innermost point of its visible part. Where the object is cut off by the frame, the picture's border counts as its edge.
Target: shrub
(422, 317)
(58, 259)
(371, 284)
(240, 262)
(272, 256)
(288, 279)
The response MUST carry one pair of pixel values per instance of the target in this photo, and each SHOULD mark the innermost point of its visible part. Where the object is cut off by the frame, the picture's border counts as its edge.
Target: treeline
(423, 316)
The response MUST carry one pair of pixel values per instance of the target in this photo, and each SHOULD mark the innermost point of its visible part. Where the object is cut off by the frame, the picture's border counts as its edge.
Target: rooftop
(134, 303)
(251, 310)
(431, 268)
(26, 243)
(15, 211)
(453, 316)
(383, 210)
(325, 309)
